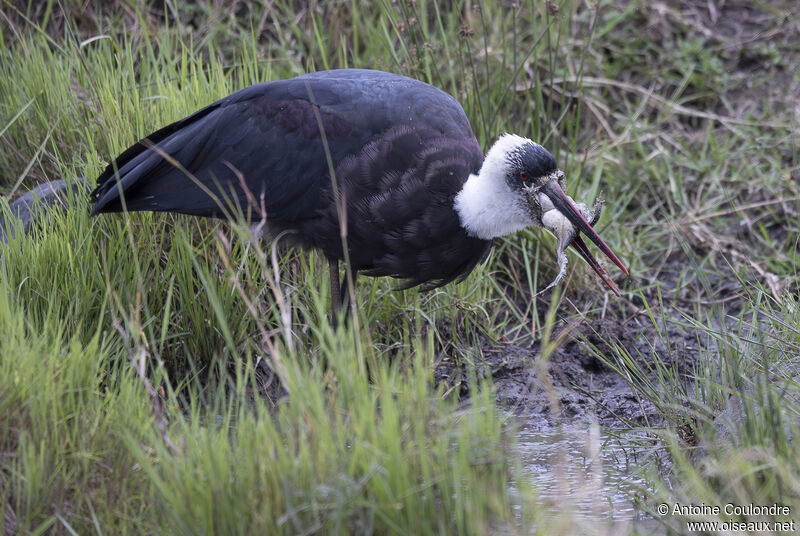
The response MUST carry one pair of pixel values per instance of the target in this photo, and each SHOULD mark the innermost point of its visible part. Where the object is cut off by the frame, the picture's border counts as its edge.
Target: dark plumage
(401, 150)
(420, 201)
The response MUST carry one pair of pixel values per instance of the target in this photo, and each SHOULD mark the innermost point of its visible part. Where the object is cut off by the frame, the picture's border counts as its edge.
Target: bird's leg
(340, 293)
(347, 299)
(336, 291)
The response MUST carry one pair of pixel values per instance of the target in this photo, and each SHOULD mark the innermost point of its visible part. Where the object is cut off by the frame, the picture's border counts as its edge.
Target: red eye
(524, 176)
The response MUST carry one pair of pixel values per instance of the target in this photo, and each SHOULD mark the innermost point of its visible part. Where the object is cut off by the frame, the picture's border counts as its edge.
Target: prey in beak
(558, 213)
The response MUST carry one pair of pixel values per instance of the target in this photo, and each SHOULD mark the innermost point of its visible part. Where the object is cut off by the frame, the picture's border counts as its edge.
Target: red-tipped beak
(580, 247)
(565, 206)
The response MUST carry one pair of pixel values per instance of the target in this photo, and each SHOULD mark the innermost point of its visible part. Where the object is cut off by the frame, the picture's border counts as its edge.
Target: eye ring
(524, 176)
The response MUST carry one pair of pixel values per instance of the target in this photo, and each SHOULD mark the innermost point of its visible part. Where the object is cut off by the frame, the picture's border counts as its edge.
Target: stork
(390, 160)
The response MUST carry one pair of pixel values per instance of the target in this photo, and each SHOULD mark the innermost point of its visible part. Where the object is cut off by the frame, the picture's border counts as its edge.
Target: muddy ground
(574, 384)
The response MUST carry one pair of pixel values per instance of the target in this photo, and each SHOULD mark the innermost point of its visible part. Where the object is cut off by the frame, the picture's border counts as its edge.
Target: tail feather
(139, 161)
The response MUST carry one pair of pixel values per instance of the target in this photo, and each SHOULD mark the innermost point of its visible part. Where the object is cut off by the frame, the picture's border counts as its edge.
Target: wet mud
(574, 384)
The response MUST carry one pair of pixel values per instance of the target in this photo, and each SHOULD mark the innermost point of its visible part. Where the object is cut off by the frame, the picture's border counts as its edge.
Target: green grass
(730, 428)
(345, 451)
(140, 356)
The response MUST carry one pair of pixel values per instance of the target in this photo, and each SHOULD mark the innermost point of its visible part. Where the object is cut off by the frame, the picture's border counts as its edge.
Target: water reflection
(580, 470)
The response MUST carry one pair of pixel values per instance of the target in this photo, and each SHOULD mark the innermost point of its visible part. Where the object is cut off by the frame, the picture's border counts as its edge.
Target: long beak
(565, 206)
(580, 247)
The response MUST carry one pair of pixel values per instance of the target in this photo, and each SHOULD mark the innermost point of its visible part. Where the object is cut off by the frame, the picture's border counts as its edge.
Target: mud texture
(573, 383)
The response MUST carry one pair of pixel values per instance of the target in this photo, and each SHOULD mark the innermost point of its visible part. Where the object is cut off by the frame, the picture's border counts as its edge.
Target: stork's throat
(488, 208)
(495, 202)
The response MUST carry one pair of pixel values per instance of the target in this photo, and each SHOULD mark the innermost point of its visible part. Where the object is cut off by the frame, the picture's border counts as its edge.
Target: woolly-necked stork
(392, 157)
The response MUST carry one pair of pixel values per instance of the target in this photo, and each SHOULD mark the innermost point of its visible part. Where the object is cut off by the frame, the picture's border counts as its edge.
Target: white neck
(486, 205)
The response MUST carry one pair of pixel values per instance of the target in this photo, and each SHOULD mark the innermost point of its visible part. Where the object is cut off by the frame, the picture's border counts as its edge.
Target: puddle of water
(580, 471)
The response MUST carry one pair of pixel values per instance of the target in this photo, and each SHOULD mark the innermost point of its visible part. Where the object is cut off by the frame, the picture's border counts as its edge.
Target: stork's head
(520, 185)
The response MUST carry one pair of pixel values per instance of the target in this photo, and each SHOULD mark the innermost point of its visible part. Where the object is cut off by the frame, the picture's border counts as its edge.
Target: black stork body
(420, 201)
